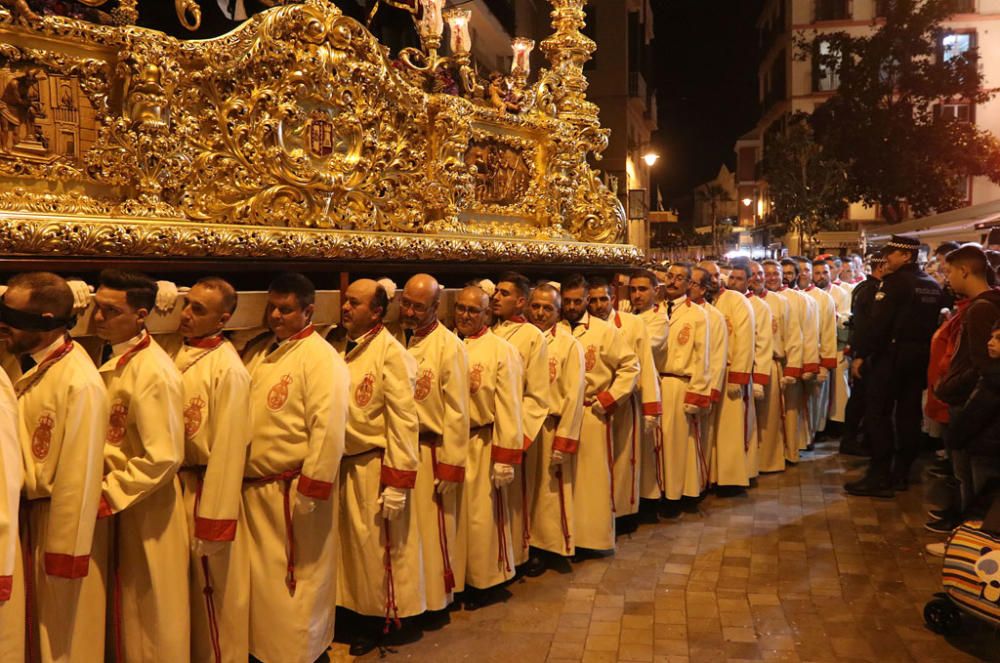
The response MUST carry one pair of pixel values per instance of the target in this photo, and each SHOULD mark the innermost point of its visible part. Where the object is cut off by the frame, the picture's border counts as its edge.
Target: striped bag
(971, 574)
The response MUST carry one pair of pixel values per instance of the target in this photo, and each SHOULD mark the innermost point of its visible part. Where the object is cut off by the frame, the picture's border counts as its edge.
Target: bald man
(442, 399)
(495, 446)
(217, 433)
(553, 482)
(731, 459)
(382, 577)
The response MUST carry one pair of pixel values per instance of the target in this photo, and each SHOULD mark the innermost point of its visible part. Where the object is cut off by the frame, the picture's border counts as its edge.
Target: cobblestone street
(794, 571)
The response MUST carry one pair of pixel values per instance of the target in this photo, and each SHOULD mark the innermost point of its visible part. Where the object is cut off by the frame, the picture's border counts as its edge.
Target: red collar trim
(517, 318)
(205, 342)
(480, 333)
(425, 331)
(134, 350)
(811, 287)
(749, 294)
(837, 282)
(298, 336)
(699, 301)
(47, 363)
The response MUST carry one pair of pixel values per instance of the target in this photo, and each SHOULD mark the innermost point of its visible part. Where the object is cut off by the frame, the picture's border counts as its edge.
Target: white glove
(203, 548)
(166, 296)
(81, 293)
(304, 504)
(691, 409)
(503, 474)
(652, 422)
(392, 501)
(823, 374)
(734, 390)
(758, 392)
(788, 381)
(445, 487)
(558, 457)
(598, 409)
(808, 377)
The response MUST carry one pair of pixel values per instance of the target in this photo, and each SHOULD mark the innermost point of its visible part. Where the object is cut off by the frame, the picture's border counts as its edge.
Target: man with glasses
(442, 400)
(496, 445)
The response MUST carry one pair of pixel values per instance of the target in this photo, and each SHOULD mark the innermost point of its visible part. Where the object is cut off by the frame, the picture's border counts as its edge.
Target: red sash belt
(286, 479)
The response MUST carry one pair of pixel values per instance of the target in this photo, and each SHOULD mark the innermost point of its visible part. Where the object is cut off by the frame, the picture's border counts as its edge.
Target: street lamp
(747, 202)
(650, 158)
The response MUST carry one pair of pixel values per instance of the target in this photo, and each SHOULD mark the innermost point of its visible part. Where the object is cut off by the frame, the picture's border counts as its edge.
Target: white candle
(458, 30)
(522, 55)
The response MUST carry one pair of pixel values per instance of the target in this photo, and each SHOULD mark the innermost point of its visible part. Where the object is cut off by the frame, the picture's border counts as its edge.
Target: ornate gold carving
(294, 135)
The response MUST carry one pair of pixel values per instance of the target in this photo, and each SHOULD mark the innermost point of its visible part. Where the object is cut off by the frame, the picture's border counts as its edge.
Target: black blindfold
(32, 321)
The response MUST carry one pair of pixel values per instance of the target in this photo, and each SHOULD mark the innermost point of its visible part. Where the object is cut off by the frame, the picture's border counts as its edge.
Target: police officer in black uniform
(853, 442)
(893, 353)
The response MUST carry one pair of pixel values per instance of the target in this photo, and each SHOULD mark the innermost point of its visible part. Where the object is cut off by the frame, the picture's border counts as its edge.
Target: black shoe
(939, 514)
(534, 567)
(868, 487)
(730, 491)
(941, 525)
(690, 505)
(670, 509)
(852, 445)
(362, 644)
(473, 599)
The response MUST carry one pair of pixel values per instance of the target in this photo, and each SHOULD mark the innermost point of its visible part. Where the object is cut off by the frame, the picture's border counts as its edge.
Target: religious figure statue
(20, 106)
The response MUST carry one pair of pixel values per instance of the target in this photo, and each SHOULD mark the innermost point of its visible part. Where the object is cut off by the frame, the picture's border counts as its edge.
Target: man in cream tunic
(730, 461)
(686, 385)
(552, 507)
(508, 306)
(442, 399)
(826, 312)
(644, 289)
(63, 419)
(718, 356)
(786, 339)
(640, 413)
(12, 629)
(839, 390)
(298, 405)
(144, 446)
(763, 360)
(612, 371)
(382, 576)
(217, 432)
(803, 310)
(495, 447)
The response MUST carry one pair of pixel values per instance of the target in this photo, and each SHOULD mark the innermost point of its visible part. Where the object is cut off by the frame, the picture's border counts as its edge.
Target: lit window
(826, 77)
(959, 112)
(954, 45)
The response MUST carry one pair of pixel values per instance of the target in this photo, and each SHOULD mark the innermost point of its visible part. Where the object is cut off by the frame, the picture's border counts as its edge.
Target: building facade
(620, 86)
(791, 82)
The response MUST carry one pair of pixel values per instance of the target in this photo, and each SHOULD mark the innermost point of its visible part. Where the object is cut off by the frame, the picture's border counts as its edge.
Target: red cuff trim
(6, 585)
(318, 490)
(715, 397)
(398, 478)
(66, 566)
(208, 529)
(810, 368)
(507, 456)
(828, 362)
(701, 400)
(104, 509)
(793, 372)
(652, 409)
(607, 401)
(738, 378)
(446, 472)
(761, 378)
(566, 445)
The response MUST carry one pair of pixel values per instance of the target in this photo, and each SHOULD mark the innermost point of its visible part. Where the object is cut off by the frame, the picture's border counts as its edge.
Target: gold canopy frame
(294, 136)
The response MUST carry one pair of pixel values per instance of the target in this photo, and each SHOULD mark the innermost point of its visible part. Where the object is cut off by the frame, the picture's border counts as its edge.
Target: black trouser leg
(854, 412)
(878, 420)
(908, 418)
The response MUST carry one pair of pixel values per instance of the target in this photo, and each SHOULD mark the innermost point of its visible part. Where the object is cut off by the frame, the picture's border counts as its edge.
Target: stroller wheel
(942, 617)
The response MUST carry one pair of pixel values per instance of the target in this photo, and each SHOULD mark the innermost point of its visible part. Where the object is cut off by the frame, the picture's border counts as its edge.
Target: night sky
(705, 70)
